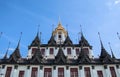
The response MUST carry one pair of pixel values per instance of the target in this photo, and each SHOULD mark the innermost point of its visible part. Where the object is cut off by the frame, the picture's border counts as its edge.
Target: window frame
(69, 51)
(77, 50)
(73, 72)
(43, 51)
(112, 71)
(8, 71)
(51, 51)
(99, 73)
(33, 50)
(47, 72)
(34, 72)
(60, 72)
(87, 71)
(21, 73)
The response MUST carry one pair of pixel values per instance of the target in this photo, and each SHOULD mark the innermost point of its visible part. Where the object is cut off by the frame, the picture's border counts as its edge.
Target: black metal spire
(104, 56)
(102, 47)
(38, 31)
(83, 40)
(15, 56)
(52, 41)
(6, 54)
(40, 40)
(111, 51)
(68, 41)
(67, 27)
(19, 41)
(81, 30)
(37, 39)
(53, 27)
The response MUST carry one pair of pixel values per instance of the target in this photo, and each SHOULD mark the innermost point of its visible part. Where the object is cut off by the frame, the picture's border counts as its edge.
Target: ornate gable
(52, 41)
(60, 58)
(104, 56)
(36, 41)
(84, 42)
(37, 57)
(68, 41)
(83, 57)
(15, 56)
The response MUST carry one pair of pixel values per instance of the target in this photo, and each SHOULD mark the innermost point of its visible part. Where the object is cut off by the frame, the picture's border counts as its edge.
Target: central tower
(60, 34)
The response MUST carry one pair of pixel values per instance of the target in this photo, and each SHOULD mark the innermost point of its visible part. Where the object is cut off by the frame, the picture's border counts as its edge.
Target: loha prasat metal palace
(60, 58)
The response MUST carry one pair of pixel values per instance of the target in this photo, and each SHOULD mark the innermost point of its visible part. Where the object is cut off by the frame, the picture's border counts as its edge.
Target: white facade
(40, 72)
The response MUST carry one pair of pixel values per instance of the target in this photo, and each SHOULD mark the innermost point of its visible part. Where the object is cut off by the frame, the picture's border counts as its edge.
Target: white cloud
(112, 4)
(117, 2)
(11, 49)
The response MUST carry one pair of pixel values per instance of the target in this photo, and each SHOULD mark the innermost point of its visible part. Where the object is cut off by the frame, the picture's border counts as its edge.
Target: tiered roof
(52, 41)
(68, 41)
(36, 41)
(60, 58)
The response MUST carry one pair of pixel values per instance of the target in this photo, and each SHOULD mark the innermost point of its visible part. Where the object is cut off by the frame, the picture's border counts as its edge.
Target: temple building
(60, 57)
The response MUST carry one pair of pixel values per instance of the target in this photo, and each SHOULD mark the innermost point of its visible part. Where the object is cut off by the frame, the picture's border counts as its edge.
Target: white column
(38, 73)
(67, 72)
(3, 72)
(55, 72)
(41, 73)
(73, 52)
(28, 72)
(47, 52)
(81, 73)
(14, 73)
(107, 73)
(117, 69)
(118, 72)
(93, 72)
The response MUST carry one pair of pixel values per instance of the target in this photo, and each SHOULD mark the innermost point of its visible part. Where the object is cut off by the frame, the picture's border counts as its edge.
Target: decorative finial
(79, 35)
(118, 35)
(1, 34)
(59, 19)
(67, 29)
(53, 27)
(5, 57)
(38, 30)
(111, 50)
(40, 41)
(40, 36)
(81, 30)
(100, 40)
(19, 40)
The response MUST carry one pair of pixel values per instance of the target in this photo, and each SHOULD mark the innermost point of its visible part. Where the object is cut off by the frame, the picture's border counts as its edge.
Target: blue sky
(25, 15)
